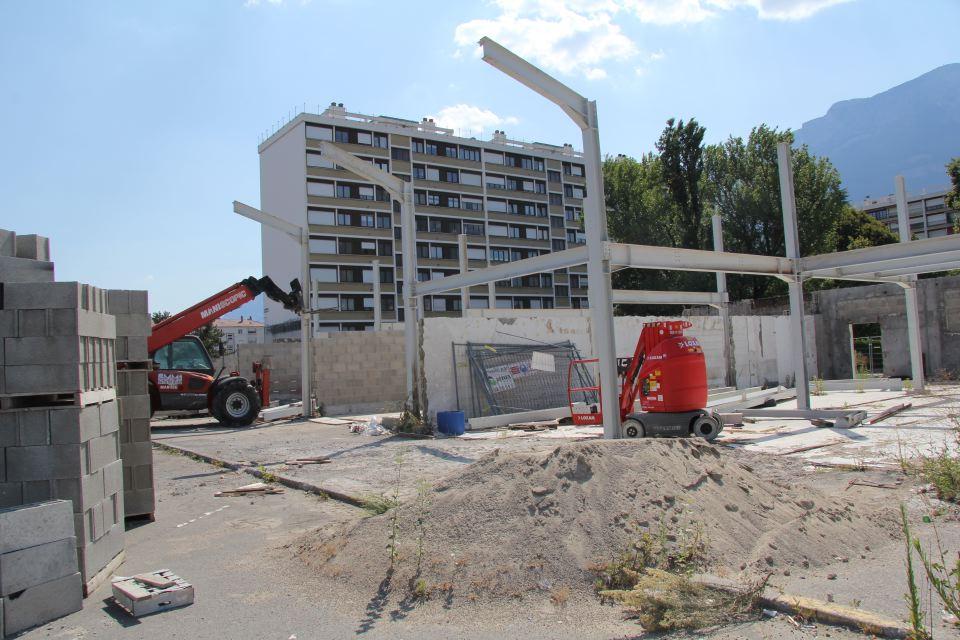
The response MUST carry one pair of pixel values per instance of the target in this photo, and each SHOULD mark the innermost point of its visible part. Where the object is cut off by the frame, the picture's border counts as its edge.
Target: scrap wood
(256, 487)
(156, 579)
(886, 413)
(534, 426)
(809, 447)
(870, 483)
(309, 460)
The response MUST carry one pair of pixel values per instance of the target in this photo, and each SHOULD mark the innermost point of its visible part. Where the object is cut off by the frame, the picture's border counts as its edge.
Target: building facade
(512, 199)
(237, 332)
(929, 214)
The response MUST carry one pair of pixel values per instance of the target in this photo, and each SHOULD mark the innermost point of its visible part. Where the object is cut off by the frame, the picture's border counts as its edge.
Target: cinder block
(139, 502)
(139, 302)
(109, 417)
(37, 491)
(102, 450)
(135, 454)
(131, 348)
(73, 425)
(118, 301)
(82, 492)
(132, 382)
(53, 295)
(32, 524)
(42, 603)
(33, 247)
(143, 477)
(45, 350)
(35, 565)
(25, 271)
(8, 243)
(95, 556)
(133, 407)
(8, 323)
(52, 378)
(133, 324)
(11, 494)
(112, 478)
(136, 430)
(51, 462)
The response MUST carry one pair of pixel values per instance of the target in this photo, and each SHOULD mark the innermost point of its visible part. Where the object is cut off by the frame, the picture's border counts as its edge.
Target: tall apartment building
(513, 200)
(929, 214)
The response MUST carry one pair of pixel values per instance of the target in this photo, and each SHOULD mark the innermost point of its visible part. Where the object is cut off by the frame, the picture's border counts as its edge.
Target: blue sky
(130, 127)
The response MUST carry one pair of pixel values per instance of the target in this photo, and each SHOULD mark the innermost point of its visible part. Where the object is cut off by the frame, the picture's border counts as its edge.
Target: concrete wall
(283, 193)
(837, 309)
(761, 346)
(353, 371)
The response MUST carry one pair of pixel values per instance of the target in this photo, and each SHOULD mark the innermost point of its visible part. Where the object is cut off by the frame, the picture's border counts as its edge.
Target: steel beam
(884, 257)
(464, 268)
(644, 296)
(377, 310)
(649, 257)
(910, 291)
(798, 331)
(729, 371)
(505, 270)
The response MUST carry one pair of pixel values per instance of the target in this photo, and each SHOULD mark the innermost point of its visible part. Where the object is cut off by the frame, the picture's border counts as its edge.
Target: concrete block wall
(39, 581)
(131, 309)
(352, 371)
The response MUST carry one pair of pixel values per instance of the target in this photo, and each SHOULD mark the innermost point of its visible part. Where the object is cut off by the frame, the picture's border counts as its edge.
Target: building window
(420, 197)
(419, 172)
(499, 255)
(493, 157)
(315, 132)
(473, 228)
(553, 176)
(500, 230)
(323, 274)
(556, 222)
(323, 245)
(323, 189)
(470, 153)
(342, 135)
(472, 204)
(383, 165)
(556, 198)
(479, 302)
(417, 146)
(399, 153)
(320, 216)
(496, 182)
(364, 138)
(558, 245)
(380, 140)
(497, 206)
(317, 160)
(562, 291)
(476, 253)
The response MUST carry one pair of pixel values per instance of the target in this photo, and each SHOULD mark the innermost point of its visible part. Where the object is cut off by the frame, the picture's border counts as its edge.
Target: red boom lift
(183, 375)
(668, 374)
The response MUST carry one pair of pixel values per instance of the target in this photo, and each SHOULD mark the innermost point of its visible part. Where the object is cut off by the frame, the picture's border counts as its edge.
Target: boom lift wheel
(706, 427)
(631, 428)
(237, 404)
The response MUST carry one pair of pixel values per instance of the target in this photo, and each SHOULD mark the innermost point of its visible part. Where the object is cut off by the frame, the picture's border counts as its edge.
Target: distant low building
(929, 214)
(237, 332)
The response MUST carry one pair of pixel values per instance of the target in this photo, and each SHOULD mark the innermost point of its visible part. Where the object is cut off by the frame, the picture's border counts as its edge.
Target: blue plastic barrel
(451, 423)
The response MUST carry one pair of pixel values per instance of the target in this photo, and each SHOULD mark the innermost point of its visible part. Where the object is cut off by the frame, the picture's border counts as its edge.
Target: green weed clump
(943, 472)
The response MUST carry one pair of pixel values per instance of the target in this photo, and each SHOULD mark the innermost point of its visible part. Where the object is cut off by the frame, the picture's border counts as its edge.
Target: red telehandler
(183, 376)
(667, 373)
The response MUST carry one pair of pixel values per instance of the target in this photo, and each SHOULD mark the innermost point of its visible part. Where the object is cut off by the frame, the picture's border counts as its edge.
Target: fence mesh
(493, 379)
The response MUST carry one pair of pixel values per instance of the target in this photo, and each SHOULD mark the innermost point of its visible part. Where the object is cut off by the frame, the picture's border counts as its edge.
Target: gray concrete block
(135, 454)
(118, 301)
(49, 462)
(33, 247)
(139, 302)
(143, 477)
(139, 502)
(133, 324)
(136, 430)
(11, 494)
(25, 271)
(37, 491)
(8, 243)
(95, 556)
(42, 603)
(34, 426)
(109, 417)
(8, 323)
(73, 425)
(9, 429)
(42, 350)
(35, 565)
(53, 295)
(132, 382)
(102, 451)
(83, 492)
(32, 524)
(112, 478)
(134, 407)
(132, 348)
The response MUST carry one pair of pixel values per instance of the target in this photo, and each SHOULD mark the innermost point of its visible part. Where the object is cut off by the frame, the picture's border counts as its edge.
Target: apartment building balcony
(352, 287)
(445, 161)
(560, 278)
(516, 194)
(450, 264)
(442, 314)
(561, 303)
(577, 180)
(493, 167)
(428, 210)
(350, 258)
(358, 149)
(440, 185)
(346, 230)
(342, 316)
(518, 218)
(349, 203)
(525, 291)
(578, 292)
(401, 166)
(519, 242)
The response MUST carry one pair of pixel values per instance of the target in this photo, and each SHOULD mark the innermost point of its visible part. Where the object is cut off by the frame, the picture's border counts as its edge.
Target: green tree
(160, 316)
(953, 170)
(742, 184)
(857, 229)
(681, 165)
(211, 337)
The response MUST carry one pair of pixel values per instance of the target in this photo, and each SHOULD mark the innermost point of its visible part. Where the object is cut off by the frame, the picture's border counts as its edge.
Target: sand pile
(516, 522)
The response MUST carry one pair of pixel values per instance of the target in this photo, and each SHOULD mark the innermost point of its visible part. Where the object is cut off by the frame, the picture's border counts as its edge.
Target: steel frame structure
(899, 263)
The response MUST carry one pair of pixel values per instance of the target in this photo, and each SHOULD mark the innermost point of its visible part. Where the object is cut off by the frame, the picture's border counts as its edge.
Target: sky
(129, 128)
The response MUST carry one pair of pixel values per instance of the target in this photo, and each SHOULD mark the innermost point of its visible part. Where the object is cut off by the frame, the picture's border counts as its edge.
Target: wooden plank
(889, 412)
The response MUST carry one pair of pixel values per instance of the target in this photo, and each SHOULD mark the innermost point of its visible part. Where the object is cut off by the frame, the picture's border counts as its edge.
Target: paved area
(237, 552)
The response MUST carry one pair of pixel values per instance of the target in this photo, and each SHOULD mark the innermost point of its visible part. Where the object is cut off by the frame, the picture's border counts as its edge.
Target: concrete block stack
(133, 326)
(24, 258)
(58, 412)
(39, 581)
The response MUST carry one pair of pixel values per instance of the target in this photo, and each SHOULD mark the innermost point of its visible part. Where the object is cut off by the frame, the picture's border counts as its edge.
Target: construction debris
(261, 488)
(153, 592)
(886, 413)
(299, 462)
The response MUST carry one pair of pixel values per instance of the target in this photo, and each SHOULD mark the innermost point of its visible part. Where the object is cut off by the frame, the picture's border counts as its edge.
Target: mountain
(912, 129)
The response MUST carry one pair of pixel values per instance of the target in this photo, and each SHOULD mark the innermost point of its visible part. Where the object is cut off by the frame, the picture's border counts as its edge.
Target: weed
(943, 472)
(420, 590)
(423, 512)
(377, 504)
(907, 385)
(265, 475)
(560, 596)
(393, 540)
(918, 632)
(818, 387)
(944, 579)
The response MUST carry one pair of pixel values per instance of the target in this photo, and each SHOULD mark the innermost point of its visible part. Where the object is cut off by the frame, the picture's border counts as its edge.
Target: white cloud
(568, 36)
(255, 3)
(580, 37)
(468, 118)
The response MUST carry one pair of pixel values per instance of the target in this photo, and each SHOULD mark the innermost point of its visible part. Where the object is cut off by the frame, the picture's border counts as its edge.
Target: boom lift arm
(220, 304)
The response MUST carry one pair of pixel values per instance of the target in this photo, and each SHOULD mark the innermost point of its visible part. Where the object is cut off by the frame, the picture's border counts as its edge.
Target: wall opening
(866, 349)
